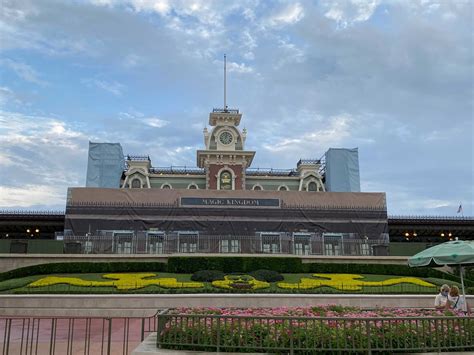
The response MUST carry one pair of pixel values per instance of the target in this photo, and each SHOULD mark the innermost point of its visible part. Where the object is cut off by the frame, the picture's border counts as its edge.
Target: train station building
(223, 205)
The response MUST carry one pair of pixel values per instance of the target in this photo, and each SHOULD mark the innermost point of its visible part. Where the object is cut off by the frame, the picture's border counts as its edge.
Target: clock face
(226, 137)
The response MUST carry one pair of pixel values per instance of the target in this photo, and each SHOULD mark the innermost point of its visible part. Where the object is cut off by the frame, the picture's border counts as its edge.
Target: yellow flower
(120, 281)
(347, 282)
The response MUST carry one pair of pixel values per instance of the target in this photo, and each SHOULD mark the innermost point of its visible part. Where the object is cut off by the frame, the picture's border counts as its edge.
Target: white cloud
(241, 68)
(289, 15)
(155, 122)
(337, 131)
(40, 158)
(112, 87)
(151, 121)
(23, 70)
(290, 54)
(348, 12)
(7, 95)
(32, 195)
(132, 60)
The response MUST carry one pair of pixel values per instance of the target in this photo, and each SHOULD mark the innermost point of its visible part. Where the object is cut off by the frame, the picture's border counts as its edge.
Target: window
(283, 188)
(155, 242)
(300, 249)
(187, 247)
(270, 242)
(88, 247)
(230, 246)
(188, 241)
(364, 249)
(333, 243)
(271, 248)
(136, 184)
(155, 247)
(166, 186)
(192, 187)
(312, 186)
(225, 181)
(124, 248)
(302, 244)
(257, 188)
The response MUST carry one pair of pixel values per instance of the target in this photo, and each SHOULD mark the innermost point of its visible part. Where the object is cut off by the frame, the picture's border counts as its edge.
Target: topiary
(267, 275)
(207, 275)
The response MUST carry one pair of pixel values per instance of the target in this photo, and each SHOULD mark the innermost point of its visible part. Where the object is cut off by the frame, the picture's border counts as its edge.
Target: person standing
(456, 301)
(441, 300)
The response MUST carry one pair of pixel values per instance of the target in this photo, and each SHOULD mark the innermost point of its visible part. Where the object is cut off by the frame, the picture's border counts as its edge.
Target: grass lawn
(19, 286)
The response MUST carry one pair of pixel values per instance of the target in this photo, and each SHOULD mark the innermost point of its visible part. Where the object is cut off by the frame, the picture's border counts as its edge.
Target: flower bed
(318, 311)
(120, 281)
(231, 283)
(329, 328)
(240, 282)
(349, 282)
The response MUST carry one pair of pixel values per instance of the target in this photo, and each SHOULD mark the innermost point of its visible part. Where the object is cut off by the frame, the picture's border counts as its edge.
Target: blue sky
(394, 78)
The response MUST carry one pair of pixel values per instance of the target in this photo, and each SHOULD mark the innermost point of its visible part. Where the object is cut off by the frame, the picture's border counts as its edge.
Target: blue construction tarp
(105, 165)
(342, 170)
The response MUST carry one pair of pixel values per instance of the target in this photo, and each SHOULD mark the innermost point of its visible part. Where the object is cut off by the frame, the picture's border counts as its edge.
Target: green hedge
(78, 267)
(229, 265)
(189, 264)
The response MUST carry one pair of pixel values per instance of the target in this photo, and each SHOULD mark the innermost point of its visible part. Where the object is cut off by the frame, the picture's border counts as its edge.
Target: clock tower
(225, 158)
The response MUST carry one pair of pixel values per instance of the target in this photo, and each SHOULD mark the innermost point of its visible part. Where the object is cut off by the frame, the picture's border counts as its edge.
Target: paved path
(70, 336)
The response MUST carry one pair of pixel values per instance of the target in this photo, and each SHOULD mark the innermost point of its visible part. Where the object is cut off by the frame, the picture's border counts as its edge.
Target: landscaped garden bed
(219, 283)
(329, 328)
(224, 275)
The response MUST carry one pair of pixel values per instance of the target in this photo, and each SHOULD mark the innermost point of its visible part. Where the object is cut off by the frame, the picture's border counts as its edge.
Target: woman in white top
(441, 300)
(456, 301)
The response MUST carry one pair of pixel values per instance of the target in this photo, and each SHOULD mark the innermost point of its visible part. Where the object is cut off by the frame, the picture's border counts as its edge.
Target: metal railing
(138, 157)
(397, 218)
(57, 335)
(149, 287)
(159, 242)
(180, 170)
(208, 332)
(225, 110)
(270, 172)
(308, 161)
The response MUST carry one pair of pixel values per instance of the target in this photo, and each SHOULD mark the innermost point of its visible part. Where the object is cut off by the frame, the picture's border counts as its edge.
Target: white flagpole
(225, 83)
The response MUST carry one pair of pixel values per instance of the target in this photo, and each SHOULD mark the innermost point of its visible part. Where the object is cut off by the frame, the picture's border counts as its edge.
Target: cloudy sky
(394, 78)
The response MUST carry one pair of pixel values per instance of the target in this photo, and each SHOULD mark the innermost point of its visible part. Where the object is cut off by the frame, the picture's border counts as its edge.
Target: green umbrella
(457, 252)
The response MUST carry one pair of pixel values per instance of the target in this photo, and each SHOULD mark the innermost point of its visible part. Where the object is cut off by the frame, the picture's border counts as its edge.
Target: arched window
(166, 186)
(192, 187)
(136, 184)
(283, 188)
(312, 186)
(225, 180)
(257, 188)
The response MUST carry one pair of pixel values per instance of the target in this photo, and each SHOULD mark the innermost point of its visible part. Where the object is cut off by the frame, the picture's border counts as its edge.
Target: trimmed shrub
(267, 275)
(231, 264)
(77, 267)
(207, 275)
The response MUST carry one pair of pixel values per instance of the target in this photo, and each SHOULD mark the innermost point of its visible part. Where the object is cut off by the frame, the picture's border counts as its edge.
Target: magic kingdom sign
(230, 202)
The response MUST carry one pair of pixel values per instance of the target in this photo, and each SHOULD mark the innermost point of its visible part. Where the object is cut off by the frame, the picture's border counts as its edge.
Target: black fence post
(109, 336)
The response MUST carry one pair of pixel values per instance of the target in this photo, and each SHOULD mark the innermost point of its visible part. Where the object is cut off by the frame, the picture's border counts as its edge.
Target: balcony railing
(225, 110)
